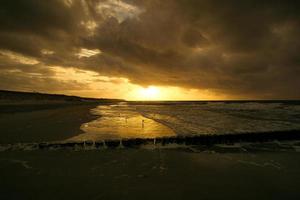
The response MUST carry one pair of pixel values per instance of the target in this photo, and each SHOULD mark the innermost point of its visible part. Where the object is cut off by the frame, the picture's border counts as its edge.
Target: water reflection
(118, 122)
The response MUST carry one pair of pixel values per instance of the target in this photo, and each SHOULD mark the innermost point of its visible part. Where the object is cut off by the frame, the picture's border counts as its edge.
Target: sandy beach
(170, 168)
(41, 123)
(149, 174)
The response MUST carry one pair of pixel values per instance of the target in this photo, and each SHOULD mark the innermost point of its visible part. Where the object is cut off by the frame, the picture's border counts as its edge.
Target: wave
(223, 118)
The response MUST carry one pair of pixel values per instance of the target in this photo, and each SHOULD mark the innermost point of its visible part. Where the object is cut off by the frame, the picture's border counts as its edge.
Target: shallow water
(158, 119)
(121, 121)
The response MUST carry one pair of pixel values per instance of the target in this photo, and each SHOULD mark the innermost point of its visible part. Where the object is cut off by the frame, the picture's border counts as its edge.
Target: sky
(152, 49)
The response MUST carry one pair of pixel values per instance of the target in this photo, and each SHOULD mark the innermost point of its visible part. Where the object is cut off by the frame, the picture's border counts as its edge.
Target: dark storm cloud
(246, 49)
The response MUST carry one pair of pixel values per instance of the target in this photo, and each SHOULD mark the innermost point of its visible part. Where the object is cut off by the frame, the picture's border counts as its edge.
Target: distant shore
(17, 97)
(38, 117)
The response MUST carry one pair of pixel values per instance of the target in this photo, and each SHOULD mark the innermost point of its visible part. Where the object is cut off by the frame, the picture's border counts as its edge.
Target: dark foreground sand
(263, 171)
(38, 123)
(149, 174)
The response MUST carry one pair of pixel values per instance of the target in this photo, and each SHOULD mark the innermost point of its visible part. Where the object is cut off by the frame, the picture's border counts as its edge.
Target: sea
(186, 118)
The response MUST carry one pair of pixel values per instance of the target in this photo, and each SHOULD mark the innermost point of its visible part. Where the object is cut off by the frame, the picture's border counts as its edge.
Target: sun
(149, 93)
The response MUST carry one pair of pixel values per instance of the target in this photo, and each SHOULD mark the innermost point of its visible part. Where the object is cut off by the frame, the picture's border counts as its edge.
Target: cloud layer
(243, 49)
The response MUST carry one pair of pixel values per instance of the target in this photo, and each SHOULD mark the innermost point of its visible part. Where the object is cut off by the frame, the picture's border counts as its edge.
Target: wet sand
(38, 123)
(149, 174)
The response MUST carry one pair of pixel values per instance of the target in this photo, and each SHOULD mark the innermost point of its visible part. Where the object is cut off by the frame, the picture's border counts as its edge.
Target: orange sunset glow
(151, 50)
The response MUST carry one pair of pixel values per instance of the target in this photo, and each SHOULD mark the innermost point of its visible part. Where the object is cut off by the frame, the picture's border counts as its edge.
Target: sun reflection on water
(120, 122)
